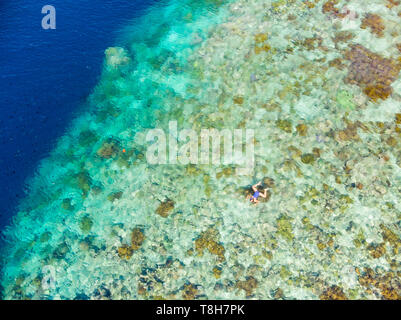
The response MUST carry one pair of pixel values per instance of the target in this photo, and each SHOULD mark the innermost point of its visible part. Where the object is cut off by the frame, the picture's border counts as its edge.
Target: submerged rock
(387, 284)
(248, 285)
(308, 158)
(238, 100)
(189, 292)
(109, 149)
(333, 293)
(302, 129)
(375, 23)
(372, 72)
(82, 181)
(285, 125)
(268, 182)
(67, 204)
(217, 271)
(81, 296)
(207, 240)
(284, 227)
(45, 236)
(165, 208)
(137, 238)
(86, 224)
(61, 251)
(377, 250)
(87, 138)
(125, 252)
(114, 196)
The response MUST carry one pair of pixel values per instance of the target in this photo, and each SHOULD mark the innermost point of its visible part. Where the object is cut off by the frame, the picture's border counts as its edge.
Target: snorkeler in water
(256, 193)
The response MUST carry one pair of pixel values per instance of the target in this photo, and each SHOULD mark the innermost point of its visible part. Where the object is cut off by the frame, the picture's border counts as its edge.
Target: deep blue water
(45, 75)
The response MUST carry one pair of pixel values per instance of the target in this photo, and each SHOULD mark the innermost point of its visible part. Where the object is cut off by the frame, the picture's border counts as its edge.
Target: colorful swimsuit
(255, 196)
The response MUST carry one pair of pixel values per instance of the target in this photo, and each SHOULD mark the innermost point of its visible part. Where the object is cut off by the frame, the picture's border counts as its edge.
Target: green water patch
(344, 99)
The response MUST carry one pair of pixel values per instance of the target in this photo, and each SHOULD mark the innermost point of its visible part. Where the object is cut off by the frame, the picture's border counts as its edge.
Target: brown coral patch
(329, 8)
(125, 252)
(137, 238)
(308, 158)
(87, 138)
(291, 17)
(309, 4)
(84, 182)
(337, 63)
(268, 182)
(378, 91)
(312, 43)
(109, 149)
(375, 23)
(189, 292)
(278, 294)
(217, 271)
(165, 207)
(302, 129)
(333, 293)
(391, 141)
(238, 100)
(349, 133)
(263, 48)
(114, 196)
(343, 36)
(209, 240)
(260, 37)
(392, 3)
(371, 72)
(390, 237)
(377, 250)
(284, 124)
(248, 285)
(388, 285)
(67, 204)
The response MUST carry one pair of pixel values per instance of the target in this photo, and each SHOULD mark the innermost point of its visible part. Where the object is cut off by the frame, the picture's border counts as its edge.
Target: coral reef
(333, 293)
(208, 240)
(87, 138)
(329, 7)
(137, 238)
(115, 196)
(165, 208)
(387, 285)
(373, 73)
(322, 97)
(86, 224)
(125, 252)
(248, 285)
(189, 292)
(375, 23)
(109, 149)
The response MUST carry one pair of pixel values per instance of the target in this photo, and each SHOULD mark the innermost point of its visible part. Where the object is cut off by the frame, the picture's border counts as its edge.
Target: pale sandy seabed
(319, 83)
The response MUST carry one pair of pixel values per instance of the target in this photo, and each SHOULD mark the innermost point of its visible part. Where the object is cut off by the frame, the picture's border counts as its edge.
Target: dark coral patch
(371, 72)
(375, 23)
(165, 208)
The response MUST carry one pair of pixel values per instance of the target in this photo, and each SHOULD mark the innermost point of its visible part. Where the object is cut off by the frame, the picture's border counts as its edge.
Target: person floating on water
(254, 198)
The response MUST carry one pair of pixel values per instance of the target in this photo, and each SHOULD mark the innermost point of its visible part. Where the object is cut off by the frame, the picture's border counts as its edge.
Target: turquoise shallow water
(322, 99)
(45, 76)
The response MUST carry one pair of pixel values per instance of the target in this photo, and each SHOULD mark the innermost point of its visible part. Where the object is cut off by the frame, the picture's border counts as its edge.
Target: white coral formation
(116, 57)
